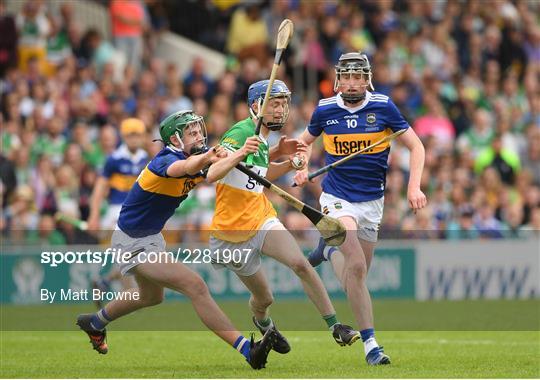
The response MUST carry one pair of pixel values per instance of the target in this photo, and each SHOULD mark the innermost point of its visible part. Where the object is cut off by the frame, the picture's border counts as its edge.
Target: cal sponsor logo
(371, 118)
(338, 206)
(332, 122)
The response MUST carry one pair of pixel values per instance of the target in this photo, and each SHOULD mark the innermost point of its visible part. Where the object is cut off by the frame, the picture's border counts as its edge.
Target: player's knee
(262, 303)
(357, 270)
(152, 299)
(300, 267)
(197, 288)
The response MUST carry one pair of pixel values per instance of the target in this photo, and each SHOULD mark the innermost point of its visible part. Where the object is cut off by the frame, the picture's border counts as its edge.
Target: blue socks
(367, 333)
(100, 320)
(328, 251)
(103, 284)
(368, 337)
(242, 345)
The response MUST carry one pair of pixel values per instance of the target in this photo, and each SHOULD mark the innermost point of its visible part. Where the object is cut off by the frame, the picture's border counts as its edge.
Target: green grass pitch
(180, 347)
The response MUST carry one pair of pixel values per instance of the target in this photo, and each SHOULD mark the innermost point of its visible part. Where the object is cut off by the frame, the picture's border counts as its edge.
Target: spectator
(486, 223)
(53, 143)
(534, 224)
(532, 45)
(514, 221)
(33, 28)
(512, 53)
(8, 180)
(361, 39)
(46, 234)
(177, 99)
(479, 136)
(197, 73)
(8, 40)
(463, 227)
(505, 161)
(58, 44)
(102, 52)
(435, 123)
(248, 34)
(128, 25)
(21, 215)
(530, 154)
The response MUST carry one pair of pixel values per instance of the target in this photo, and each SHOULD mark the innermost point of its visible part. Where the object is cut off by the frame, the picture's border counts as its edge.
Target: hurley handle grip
(316, 173)
(249, 159)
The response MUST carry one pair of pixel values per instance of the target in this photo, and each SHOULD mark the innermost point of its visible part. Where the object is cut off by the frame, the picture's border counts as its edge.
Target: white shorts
(109, 220)
(251, 250)
(368, 215)
(145, 249)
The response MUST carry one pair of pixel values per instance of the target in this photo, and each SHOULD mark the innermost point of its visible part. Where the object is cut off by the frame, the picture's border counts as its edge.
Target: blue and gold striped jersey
(121, 170)
(154, 196)
(346, 130)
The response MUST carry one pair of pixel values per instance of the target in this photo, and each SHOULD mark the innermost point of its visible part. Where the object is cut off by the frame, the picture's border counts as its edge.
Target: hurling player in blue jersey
(354, 191)
(118, 176)
(160, 188)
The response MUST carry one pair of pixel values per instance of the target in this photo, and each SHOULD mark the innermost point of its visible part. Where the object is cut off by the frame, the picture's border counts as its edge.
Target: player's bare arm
(101, 190)
(278, 169)
(219, 169)
(415, 196)
(295, 149)
(195, 164)
(307, 139)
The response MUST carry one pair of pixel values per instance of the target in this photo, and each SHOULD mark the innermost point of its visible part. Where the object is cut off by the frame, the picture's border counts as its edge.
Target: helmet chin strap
(178, 149)
(350, 98)
(198, 150)
(357, 98)
(254, 115)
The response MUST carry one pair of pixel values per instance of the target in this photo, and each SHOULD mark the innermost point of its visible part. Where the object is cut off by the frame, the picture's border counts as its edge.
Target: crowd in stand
(465, 74)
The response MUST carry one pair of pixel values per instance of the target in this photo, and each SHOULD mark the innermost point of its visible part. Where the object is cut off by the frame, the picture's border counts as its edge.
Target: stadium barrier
(182, 51)
(478, 270)
(401, 269)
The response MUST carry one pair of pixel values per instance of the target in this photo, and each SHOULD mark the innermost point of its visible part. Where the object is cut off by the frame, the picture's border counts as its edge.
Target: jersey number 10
(351, 123)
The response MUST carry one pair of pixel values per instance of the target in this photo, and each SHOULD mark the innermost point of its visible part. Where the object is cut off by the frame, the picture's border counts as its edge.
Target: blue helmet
(279, 89)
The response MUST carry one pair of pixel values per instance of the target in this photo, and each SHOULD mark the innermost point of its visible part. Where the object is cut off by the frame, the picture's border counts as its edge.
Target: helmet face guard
(350, 64)
(271, 119)
(188, 128)
(195, 131)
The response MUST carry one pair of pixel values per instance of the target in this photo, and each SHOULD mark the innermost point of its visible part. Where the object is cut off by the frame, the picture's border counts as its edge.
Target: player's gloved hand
(288, 146)
(301, 177)
(417, 199)
(250, 146)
